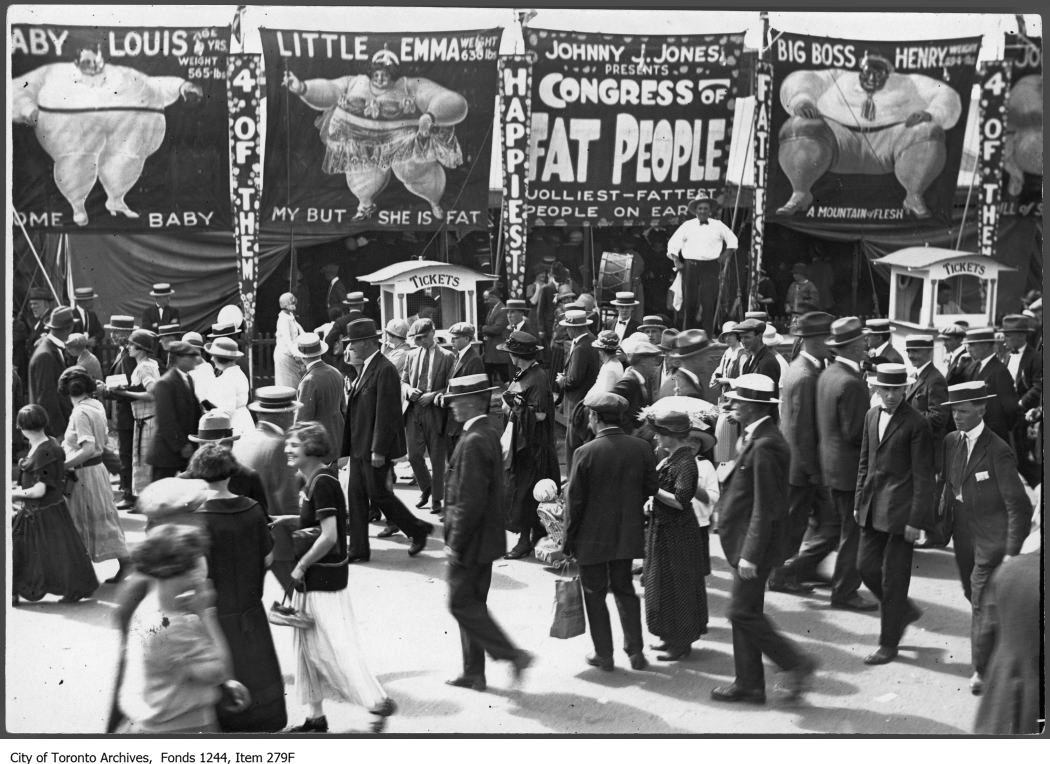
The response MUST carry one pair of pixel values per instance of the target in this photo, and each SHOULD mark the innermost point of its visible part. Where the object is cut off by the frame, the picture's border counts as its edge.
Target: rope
(969, 193)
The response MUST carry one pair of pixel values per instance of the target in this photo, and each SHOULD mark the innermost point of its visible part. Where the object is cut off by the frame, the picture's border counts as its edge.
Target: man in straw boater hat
(653, 327)
(474, 535)
(177, 412)
(262, 449)
(162, 311)
(752, 515)
(895, 491)
(1025, 365)
(120, 328)
(374, 437)
(532, 455)
(581, 370)
(880, 348)
(957, 361)
(624, 324)
(611, 478)
(697, 248)
(991, 510)
(1001, 412)
(85, 320)
(45, 367)
(321, 389)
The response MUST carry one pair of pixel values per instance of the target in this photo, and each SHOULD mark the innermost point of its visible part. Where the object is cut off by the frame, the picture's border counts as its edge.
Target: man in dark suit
(120, 328)
(474, 534)
(761, 358)
(1001, 411)
(335, 290)
(928, 392)
(40, 306)
(494, 332)
(634, 386)
(624, 324)
(581, 371)
(424, 378)
(161, 312)
(957, 361)
(1025, 365)
(880, 349)
(84, 319)
(177, 413)
(895, 480)
(984, 491)
(752, 513)
(45, 367)
(353, 309)
(321, 388)
(798, 423)
(374, 437)
(517, 321)
(467, 363)
(611, 478)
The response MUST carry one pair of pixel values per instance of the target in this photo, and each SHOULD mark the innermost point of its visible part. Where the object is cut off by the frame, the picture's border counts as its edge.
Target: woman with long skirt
(239, 554)
(91, 501)
(48, 555)
(331, 664)
(231, 391)
(288, 367)
(675, 595)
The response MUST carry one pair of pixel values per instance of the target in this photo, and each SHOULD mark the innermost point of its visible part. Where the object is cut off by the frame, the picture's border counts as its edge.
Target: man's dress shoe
(605, 664)
(856, 602)
(470, 682)
(387, 532)
(419, 543)
(733, 694)
(638, 662)
(424, 497)
(881, 656)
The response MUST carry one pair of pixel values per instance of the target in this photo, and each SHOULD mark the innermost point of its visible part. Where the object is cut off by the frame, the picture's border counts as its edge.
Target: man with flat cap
(1002, 409)
(45, 367)
(957, 361)
(321, 389)
(474, 535)
(610, 480)
(177, 414)
(761, 358)
(1025, 365)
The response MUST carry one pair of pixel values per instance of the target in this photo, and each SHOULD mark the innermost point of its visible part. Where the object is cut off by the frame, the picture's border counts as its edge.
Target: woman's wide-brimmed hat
(213, 426)
(275, 399)
(753, 388)
(521, 343)
(608, 340)
(224, 347)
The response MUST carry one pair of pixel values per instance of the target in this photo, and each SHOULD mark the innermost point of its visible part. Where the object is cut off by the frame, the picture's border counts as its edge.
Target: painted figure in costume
(382, 122)
(1023, 147)
(98, 121)
(870, 122)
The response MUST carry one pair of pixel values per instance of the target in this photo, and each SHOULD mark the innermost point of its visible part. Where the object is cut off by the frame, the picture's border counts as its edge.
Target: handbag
(284, 614)
(111, 459)
(569, 620)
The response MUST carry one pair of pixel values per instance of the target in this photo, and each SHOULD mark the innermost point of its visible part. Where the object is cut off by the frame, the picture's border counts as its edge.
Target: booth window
(444, 305)
(961, 295)
(909, 298)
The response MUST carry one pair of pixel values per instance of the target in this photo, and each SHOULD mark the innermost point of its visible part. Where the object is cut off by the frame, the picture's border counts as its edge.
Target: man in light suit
(1001, 411)
(45, 367)
(373, 438)
(474, 535)
(262, 449)
(895, 480)
(581, 371)
(798, 423)
(494, 332)
(424, 378)
(611, 478)
(752, 513)
(177, 414)
(467, 363)
(320, 391)
(161, 312)
(1025, 365)
(84, 319)
(984, 491)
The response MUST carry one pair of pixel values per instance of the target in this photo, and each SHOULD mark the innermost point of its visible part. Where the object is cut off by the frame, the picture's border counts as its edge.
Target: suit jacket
(895, 477)
(581, 370)
(176, 417)
(123, 364)
(995, 510)
(752, 510)
(154, 317)
(842, 403)
(764, 362)
(798, 421)
(889, 355)
(610, 480)
(474, 496)
(958, 370)
(36, 331)
(528, 325)
(440, 369)
(470, 363)
(631, 387)
(1029, 382)
(1001, 412)
(336, 294)
(632, 326)
(926, 395)
(262, 450)
(321, 393)
(45, 367)
(493, 332)
(374, 421)
(92, 327)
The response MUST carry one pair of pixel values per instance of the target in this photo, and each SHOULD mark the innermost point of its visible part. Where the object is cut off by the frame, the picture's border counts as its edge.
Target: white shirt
(620, 328)
(707, 478)
(971, 436)
(884, 421)
(364, 366)
(701, 242)
(1013, 363)
(880, 349)
(918, 371)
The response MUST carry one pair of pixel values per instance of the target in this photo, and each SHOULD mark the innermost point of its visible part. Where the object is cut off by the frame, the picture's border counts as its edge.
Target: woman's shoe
(320, 724)
(387, 707)
(70, 598)
(675, 654)
(123, 572)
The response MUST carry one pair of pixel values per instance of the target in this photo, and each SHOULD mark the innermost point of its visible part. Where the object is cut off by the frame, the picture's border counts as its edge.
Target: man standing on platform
(161, 312)
(697, 248)
(474, 535)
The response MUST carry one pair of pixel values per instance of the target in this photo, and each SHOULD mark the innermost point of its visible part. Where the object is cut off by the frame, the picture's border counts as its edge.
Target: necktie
(423, 379)
(189, 381)
(958, 468)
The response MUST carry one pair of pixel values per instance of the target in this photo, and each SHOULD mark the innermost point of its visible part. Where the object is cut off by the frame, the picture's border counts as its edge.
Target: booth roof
(916, 258)
(398, 271)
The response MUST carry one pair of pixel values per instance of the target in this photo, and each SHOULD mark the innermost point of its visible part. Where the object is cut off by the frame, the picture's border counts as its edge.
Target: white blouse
(708, 480)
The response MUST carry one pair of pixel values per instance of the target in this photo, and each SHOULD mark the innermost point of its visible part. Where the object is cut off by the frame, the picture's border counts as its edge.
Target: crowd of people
(839, 447)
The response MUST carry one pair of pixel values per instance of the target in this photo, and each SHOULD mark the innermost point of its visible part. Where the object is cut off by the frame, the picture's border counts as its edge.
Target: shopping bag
(569, 620)
(284, 614)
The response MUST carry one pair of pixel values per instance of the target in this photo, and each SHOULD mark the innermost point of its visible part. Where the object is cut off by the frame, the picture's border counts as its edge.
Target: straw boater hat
(121, 324)
(577, 318)
(689, 342)
(162, 290)
(169, 330)
(84, 294)
(753, 388)
(355, 298)
(890, 375)
(625, 300)
(213, 427)
(39, 293)
(967, 392)
(522, 344)
(758, 315)
(519, 305)
(224, 347)
(224, 329)
(471, 384)
(918, 342)
(877, 326)
(274, 399)
(813, 324)
(979, 334)
(844, 331)
(310, 345)
(652, 322)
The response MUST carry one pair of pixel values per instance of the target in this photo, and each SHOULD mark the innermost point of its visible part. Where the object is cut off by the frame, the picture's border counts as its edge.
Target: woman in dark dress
(48, 555)
(529, 407)
(675, 595)
(237, 562)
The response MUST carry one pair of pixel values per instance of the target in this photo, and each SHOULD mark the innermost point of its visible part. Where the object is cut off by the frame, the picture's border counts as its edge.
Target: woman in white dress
(142, 346)
(288, 367)
(609, 373)
(230, 391)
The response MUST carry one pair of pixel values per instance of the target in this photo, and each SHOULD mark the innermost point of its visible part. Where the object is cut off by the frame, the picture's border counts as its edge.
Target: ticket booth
(931, 288)
(446, 293)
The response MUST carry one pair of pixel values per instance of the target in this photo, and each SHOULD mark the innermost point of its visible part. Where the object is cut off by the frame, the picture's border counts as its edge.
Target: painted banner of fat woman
(867, 132)
(120, 129)
(378, 130)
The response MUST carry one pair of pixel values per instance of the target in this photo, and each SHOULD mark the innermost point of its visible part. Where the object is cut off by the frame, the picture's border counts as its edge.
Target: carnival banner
(993, 77)
(627, 129)
(119, 129)
(868, 132)
(384, 131)
(245, 175)
(760, 148)
(515, 77)
(1023, 152)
